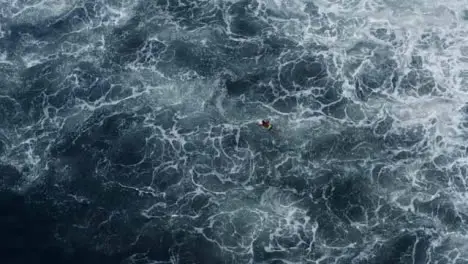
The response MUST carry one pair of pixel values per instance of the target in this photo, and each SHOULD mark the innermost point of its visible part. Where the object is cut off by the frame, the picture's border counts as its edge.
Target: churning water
(128, 131)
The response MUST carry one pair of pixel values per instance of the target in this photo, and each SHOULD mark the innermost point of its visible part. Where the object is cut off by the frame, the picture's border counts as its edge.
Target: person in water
(266, 124)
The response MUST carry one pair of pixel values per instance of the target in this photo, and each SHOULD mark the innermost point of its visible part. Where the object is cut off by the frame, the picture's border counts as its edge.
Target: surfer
(266, 124)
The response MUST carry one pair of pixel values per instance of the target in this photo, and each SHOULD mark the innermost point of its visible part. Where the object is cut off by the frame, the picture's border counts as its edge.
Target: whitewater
(128, 131)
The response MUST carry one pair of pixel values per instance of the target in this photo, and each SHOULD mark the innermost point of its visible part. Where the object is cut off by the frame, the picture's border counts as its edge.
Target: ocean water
(128, 131)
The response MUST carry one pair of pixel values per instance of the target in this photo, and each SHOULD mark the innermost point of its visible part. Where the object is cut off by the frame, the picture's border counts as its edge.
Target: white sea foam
(360, 39)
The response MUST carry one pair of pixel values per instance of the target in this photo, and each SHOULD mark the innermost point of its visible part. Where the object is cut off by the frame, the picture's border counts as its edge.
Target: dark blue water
(128, 135)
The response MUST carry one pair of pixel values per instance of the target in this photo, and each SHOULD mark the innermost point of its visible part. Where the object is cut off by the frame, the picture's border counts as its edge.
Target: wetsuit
(266, 124)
